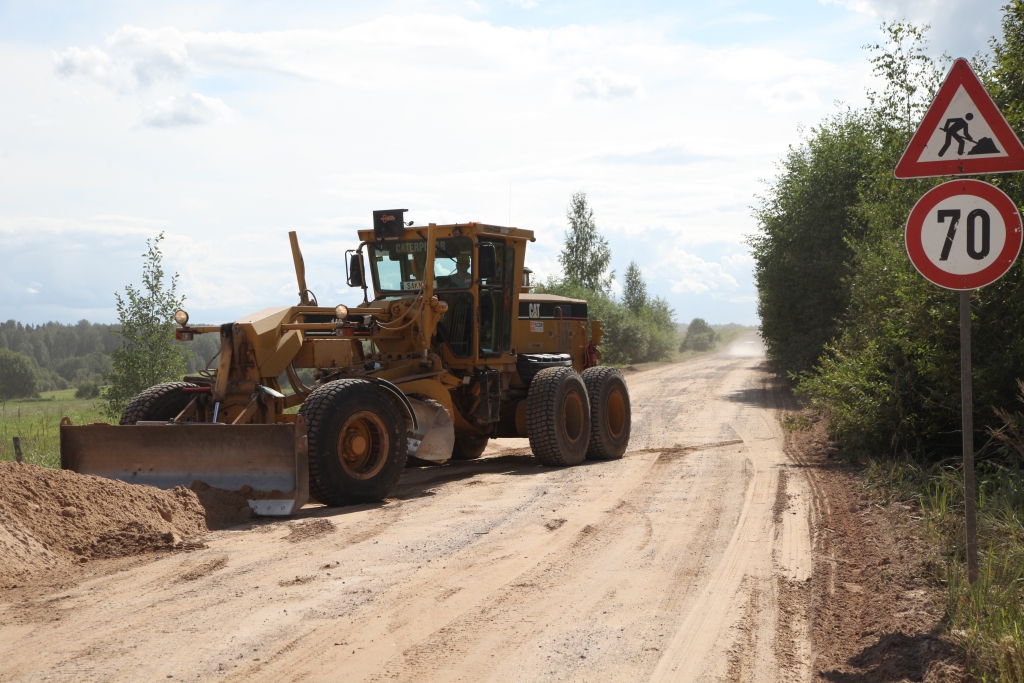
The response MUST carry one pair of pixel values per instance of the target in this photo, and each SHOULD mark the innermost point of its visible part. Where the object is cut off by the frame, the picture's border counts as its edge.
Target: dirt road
(688, 560)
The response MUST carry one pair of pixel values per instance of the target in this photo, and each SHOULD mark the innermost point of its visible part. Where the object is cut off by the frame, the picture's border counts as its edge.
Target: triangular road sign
(962, 133)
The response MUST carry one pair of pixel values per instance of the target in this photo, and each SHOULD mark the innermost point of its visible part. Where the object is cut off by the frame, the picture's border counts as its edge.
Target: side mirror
(355, 271)
(487, 261)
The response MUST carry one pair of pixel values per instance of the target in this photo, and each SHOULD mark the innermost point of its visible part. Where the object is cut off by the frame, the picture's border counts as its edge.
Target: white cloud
(691, 274)
(154, 55)
(90, 62)
(959, 27)
(186, 110)
(602, 83)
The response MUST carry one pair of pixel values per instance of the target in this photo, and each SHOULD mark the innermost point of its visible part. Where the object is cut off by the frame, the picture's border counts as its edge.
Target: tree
(148, 354)
(586, 255)
(17, 375)
(803, 251)
(634, 297)
(699, 336)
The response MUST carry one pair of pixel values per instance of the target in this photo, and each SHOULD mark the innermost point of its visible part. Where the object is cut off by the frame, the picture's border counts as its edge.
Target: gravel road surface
(687, 560)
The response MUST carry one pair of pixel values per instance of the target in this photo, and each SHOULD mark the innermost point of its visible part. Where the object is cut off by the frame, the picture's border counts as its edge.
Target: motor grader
(448, 348)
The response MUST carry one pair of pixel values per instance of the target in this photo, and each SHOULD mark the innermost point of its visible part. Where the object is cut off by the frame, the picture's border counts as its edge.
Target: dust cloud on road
(687, 560)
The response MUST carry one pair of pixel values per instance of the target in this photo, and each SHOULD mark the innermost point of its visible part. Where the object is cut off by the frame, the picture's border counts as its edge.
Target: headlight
(341, 311)
(181, 317)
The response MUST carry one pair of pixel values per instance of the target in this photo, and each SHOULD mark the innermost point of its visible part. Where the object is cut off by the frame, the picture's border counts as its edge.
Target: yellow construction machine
(452, 349)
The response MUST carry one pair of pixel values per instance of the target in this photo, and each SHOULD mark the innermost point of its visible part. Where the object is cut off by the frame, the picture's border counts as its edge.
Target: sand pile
(222, 508)
(52, 518)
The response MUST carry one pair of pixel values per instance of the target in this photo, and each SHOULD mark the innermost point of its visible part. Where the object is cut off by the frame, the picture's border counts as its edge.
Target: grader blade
(435, 437)
(268, 459)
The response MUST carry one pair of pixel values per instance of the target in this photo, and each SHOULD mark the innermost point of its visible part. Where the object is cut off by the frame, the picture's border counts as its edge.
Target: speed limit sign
(963, 234)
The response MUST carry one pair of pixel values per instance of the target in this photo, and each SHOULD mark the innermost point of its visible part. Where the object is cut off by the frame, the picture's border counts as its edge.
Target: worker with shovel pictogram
(953, 129)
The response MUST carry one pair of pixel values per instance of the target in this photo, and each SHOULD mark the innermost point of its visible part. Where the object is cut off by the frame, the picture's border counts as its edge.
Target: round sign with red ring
(963, 234)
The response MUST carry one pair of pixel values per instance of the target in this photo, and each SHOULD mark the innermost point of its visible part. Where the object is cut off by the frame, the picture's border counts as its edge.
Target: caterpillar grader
(450, 347)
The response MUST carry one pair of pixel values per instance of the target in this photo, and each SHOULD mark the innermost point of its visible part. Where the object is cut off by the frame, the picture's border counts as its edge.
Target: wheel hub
(616, 418)
(363, 445)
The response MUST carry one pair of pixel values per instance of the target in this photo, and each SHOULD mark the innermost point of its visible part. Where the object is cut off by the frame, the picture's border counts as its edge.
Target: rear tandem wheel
(558, 417)
(610, 415)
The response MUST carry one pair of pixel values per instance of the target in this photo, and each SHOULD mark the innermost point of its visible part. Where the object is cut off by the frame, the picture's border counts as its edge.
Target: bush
(17, 375)
(699, 336)
(87, 390)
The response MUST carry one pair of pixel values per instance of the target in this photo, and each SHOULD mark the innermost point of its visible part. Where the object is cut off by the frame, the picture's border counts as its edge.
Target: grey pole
(967, 408)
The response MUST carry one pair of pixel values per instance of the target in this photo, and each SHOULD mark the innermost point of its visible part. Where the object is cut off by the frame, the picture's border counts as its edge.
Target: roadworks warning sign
(962, 133)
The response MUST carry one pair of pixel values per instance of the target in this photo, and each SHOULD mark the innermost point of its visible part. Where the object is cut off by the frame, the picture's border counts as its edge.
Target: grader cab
(449, 348)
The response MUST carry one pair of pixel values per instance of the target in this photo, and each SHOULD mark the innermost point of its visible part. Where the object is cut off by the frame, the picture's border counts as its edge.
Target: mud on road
(687, 560)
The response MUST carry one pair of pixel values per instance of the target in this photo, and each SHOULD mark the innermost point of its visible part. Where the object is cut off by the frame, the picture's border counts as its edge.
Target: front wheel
(159, 403)
(356, 440)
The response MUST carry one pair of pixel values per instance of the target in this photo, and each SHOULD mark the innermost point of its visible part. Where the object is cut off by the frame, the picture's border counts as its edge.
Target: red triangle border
(961, 74)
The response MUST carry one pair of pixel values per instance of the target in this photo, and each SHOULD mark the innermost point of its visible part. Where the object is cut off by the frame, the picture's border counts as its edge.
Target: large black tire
(357, 443)
(558, 417)
(610, 415)
(469, 447)
(158, 403)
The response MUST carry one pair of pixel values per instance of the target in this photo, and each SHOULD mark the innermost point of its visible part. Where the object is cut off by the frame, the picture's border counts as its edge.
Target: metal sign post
(967, 411)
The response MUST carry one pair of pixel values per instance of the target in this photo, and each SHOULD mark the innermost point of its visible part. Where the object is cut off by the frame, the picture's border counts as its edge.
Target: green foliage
(803, 251)
(889, 375)
(64, 355)
(17, 375)
(699, 336)
(634, 294)
(87, 390)
(586, 255)
(891, 380)
(148, 353)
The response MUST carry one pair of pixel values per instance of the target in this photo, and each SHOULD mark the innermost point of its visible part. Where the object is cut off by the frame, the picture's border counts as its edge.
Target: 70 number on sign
(972, 217)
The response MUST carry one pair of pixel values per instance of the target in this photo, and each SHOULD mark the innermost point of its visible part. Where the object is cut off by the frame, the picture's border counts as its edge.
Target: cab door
(495, 331)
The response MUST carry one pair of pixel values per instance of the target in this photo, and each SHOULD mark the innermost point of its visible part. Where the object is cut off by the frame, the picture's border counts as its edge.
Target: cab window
(398, 266)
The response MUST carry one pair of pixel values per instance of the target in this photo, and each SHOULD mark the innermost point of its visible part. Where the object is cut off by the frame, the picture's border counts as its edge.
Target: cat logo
(534, 310)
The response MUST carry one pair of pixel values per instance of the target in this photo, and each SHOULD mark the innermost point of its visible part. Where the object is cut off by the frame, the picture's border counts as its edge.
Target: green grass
(987, 618)
(37, 422)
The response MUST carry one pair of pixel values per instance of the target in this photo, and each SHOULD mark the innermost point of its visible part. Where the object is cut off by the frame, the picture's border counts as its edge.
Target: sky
(224, 125)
